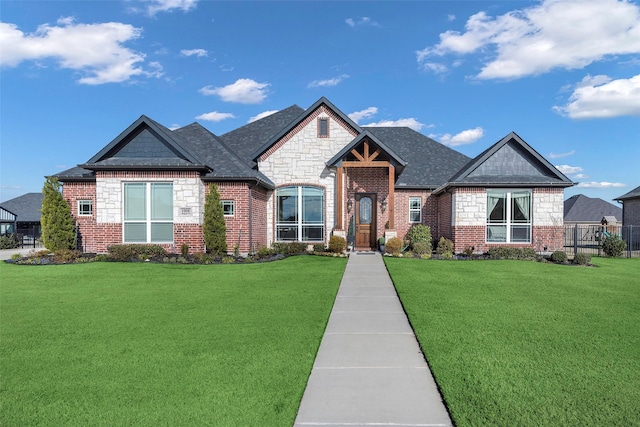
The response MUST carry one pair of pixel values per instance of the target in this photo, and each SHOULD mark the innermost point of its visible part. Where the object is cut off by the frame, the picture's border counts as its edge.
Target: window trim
(148, 221)
(509, 223)
(299, 223)
(85, 202)
(413, 210)
(231, 203)
(320, 121)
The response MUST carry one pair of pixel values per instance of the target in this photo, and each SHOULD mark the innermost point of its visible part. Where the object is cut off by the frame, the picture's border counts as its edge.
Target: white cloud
(155, 6)
(194, 52)
(243, 91)
(262, 115)
(94, 50)
(451, 17)
(215, 116)
(552, 34)
(602, 184)
(561, 155)
(409, 122)
(465, 137)
(364, 21)
(363, 114)
(569, 170)
(328, 82)
(602, 97)
(580, 176)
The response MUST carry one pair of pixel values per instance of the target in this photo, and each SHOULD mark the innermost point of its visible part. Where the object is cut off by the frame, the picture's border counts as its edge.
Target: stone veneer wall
(300, 157)
(469, 206)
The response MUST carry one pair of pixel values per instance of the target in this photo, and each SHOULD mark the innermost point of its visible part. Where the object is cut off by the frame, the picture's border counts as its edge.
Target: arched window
(300, 214)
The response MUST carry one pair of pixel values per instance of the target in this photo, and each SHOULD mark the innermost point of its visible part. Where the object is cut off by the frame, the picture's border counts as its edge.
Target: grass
(150, 344)
(524, 343)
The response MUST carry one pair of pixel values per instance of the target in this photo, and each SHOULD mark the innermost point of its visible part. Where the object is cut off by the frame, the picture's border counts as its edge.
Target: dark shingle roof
(248, 138)
(27, 207)
(223, 162)
(510, 161)
(429, 163)
(580, 208)
(633, 194)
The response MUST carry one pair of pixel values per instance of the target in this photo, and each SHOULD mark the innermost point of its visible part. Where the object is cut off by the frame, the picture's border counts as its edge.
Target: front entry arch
(366, 221)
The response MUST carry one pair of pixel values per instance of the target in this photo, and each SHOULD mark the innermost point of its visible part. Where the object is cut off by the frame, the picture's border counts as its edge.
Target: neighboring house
(630, 207)
(26, 209)
(580, 209)
(304, 175)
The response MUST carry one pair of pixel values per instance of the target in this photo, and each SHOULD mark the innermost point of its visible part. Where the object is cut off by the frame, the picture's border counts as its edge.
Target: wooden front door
(365, 221)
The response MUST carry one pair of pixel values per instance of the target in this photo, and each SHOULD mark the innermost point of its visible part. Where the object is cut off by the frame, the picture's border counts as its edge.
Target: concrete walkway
(369, 370)
(8, 253)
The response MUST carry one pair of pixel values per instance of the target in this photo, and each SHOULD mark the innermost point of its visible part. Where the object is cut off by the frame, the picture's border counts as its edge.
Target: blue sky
(563, 75)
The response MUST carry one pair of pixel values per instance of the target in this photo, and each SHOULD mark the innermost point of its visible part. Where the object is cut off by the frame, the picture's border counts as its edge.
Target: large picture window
(509, 216)
(148, 212)
(300, 214)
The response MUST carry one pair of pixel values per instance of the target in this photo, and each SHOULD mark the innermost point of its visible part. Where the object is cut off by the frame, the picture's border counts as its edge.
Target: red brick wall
(444, 218)
(259, 206)
(429, 211)
(238, 224)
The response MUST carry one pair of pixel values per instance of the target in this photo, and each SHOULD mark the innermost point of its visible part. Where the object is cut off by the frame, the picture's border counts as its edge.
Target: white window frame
(509, 223)
(414, 210)
(226, 203)
(85, 202)
(148, 221)
(299, 224)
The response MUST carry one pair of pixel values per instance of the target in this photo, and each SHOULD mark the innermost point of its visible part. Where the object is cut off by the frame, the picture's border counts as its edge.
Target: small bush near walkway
(613, 246)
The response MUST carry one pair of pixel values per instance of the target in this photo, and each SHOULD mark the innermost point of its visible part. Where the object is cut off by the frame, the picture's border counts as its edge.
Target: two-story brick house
(303, 175)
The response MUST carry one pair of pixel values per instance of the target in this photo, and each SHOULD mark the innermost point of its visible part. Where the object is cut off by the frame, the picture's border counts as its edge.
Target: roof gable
(633, 194)
(510, 161)
(145, 144)
(26, 207)
(291, 127)
(366, 136)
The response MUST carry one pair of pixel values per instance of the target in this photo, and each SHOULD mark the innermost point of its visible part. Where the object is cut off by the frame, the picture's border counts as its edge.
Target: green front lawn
(518, 343)
(151, 344)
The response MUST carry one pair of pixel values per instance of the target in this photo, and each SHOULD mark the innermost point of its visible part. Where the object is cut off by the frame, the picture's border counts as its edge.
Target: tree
(214, 227)
(58, 231)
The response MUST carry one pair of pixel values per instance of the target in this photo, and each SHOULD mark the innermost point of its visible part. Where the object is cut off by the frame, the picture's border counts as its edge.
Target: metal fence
(580, 238)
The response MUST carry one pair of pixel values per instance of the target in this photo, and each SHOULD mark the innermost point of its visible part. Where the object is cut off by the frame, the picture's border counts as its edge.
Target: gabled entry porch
(365, 195)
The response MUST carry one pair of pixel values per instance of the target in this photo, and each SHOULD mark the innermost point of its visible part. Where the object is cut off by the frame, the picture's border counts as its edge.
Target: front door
(365, 221)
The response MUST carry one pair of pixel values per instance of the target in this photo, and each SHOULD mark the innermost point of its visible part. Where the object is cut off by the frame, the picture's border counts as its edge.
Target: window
(509, 216)
(415, 209)
(300, 214)
(148, 212)
(323, 127)
(85, 207)
(227, 207)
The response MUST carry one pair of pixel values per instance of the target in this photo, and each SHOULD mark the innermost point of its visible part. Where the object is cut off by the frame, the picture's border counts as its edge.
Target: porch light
(383, 205)
(349, 205)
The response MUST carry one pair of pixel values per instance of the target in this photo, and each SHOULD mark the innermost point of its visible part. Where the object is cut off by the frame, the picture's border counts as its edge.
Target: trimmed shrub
(58, 231)
(337, 244)
(318, 247)
(214, 227)
(8, 242)
(184, 249)
(468, 251)
(582, 259)
(613, 246)
(393, 246)
(445, 247)
(507, 252)
(140, 252)
(66, 255)
(291, 248)
(559, 257)
(264, 252)
(421, 248)
(418, 234)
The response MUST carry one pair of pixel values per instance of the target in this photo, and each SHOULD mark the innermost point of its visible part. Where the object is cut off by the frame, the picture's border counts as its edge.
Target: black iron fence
(581, 238)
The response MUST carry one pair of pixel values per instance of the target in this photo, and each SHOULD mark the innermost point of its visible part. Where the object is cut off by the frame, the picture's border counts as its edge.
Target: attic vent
(185, 211)
(323, 127)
